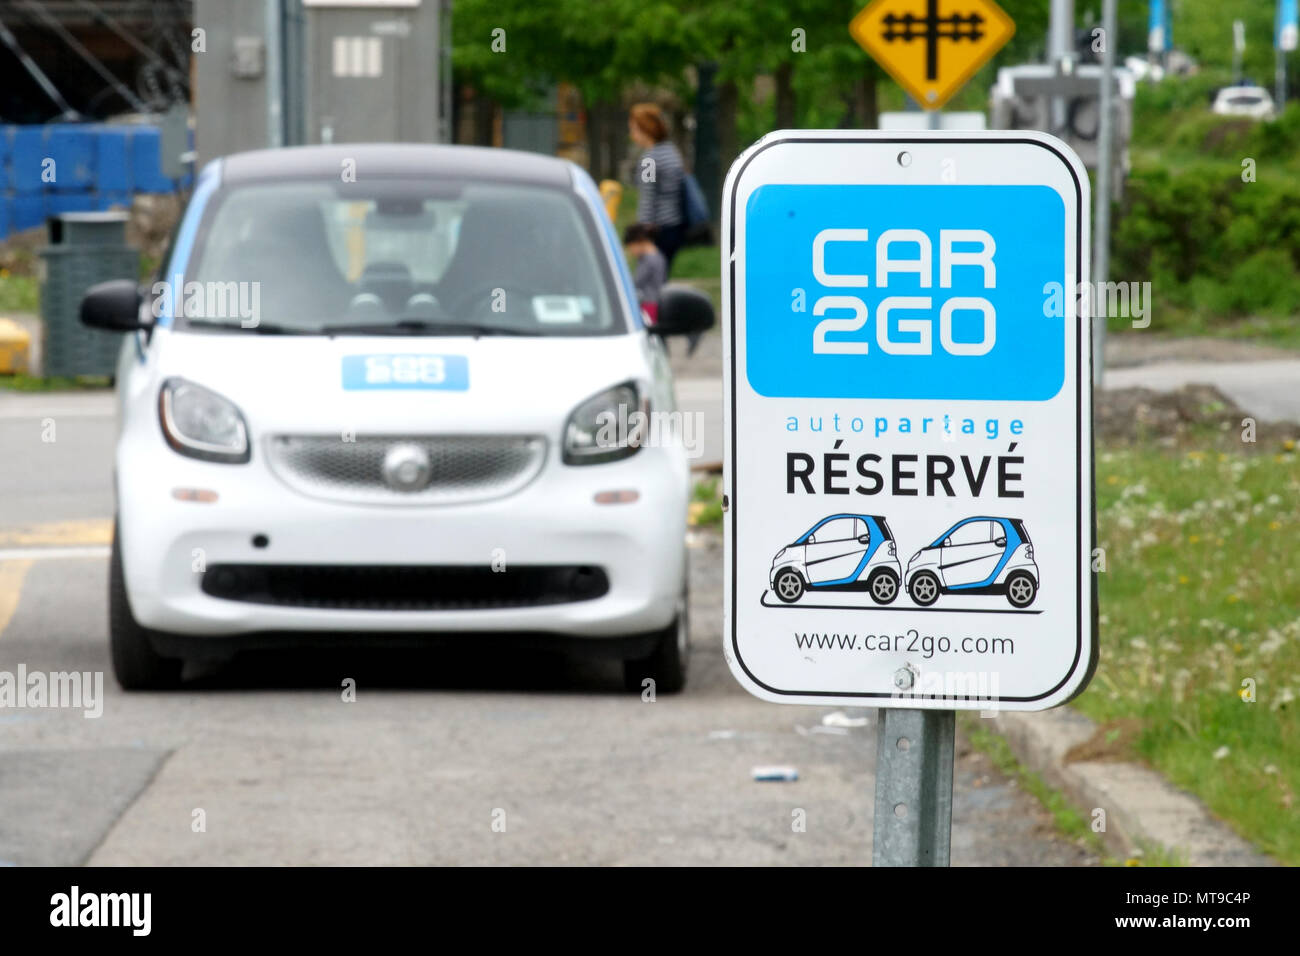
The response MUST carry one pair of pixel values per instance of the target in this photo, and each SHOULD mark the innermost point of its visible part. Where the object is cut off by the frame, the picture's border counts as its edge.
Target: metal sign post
(912, 825)
(1284, 41)
(1105, 167)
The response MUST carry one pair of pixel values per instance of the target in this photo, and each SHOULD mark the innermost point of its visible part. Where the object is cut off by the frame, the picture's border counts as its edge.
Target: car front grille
(404, 588)
(461, 468)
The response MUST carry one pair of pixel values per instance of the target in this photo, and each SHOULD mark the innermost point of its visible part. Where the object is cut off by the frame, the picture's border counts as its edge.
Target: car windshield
(397, 257)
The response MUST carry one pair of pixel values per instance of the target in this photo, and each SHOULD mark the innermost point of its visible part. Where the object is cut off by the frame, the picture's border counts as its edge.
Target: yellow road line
(12, 574)
(59, 533)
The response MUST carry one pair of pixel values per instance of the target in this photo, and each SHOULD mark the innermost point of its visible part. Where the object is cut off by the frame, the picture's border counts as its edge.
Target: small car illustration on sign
(976, 556)
(840, 552)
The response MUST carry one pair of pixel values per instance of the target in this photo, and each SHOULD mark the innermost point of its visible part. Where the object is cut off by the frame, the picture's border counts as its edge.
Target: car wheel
(788, 586)
(883, 586)
(667, 663)
(924, 588)
(136, 664)
(1021, 589)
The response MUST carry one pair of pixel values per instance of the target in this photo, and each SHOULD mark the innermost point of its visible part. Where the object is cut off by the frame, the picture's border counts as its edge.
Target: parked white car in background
(376, 407)
(1252, 101)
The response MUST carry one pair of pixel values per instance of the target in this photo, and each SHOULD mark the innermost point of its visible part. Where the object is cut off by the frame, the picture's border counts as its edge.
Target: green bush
(1209, 242)
(1264, 284)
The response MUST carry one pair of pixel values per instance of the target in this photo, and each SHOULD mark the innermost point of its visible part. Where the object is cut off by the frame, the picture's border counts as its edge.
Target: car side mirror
(864, 539)
(113, 306)
(947, 542)
(683, 311)
(1001, 542)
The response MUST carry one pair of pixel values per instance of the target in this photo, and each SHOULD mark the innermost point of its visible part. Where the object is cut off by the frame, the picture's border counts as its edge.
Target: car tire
(883, 586)
(136, 665)
(923, 589)
(1021, 589)
(667, 663)
(788, 586)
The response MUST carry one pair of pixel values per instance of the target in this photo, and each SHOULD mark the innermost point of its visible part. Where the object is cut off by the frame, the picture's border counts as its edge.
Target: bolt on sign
(908, 413)
(931, 47)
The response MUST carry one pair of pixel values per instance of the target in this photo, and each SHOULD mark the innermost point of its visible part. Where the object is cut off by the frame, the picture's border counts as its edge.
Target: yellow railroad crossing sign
(931, 47)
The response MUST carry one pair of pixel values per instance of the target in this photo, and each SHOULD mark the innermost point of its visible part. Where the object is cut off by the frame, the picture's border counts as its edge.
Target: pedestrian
(651, 266)
(659, 177)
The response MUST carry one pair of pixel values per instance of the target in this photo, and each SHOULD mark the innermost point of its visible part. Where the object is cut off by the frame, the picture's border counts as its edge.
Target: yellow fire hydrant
(15, 345)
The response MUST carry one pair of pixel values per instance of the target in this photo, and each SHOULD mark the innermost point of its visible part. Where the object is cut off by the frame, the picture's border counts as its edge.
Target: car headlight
(913, 557)
(607, 427)
(201, 424)
(779, 555)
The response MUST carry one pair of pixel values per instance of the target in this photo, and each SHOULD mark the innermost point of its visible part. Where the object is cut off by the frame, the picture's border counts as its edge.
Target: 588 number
(405, 370)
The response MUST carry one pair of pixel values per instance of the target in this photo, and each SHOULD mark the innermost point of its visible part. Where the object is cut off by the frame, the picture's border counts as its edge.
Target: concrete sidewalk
(1268, 390)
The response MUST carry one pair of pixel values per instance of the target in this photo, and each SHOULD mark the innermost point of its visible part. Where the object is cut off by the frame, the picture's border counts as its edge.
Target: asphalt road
(472, 756)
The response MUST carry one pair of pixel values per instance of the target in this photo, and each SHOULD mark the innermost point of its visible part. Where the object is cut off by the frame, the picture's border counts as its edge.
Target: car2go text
(887, 262)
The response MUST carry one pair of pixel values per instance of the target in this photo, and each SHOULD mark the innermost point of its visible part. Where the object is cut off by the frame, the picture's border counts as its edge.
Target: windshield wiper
(262, 328)
(424, 327)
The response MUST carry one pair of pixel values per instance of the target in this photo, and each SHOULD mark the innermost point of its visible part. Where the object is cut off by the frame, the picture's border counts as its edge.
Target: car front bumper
(168, 544)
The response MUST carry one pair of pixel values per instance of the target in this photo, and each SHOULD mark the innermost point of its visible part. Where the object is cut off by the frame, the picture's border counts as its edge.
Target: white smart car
(842, 552)
(386, 392)
(979, 555)
(1254, 102)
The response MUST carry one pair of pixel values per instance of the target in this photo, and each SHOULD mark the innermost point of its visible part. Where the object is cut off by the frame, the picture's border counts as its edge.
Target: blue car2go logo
(447, 372)
(865, 291)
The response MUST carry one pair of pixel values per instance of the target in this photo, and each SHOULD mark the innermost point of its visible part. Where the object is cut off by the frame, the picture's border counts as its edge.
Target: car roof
(847, 514)
(396, 161)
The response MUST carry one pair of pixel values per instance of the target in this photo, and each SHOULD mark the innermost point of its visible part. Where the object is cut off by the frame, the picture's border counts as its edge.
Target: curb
(1142, 808)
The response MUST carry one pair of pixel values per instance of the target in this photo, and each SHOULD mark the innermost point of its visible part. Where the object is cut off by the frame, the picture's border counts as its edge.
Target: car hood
(294, 384)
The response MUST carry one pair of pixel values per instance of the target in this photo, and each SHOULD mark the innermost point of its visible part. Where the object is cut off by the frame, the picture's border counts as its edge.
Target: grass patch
(1200, 613)
(698, 262)
(705, 508)
(1068, 820)
(19, 294)
(22, 382)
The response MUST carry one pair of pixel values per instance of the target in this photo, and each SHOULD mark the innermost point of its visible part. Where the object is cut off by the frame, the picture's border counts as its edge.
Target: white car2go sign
(908, 420)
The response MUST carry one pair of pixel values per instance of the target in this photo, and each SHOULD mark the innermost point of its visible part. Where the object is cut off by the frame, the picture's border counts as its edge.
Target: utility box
(289, 72)
(85, 248)
(1022, 99)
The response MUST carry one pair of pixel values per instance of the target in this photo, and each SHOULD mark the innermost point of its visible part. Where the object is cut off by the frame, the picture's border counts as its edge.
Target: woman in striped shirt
(659, 175)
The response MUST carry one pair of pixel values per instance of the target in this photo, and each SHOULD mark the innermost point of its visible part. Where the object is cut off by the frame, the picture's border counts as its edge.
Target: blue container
(4, 216)
(27, 159)
(58, 203)
(6, 157)
(72, 147)
(114, 158)
(26, 212)
(146, 161)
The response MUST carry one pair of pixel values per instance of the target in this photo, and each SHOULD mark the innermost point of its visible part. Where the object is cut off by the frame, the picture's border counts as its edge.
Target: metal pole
(274, 19)
(1238, 48)
(446, 131)
(1279, 80)
(293, 71)
(1060, 53)
(1105, 166)
(913, 816)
